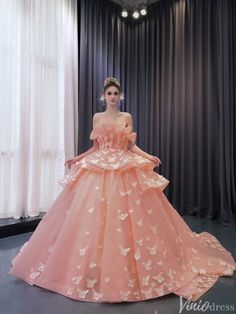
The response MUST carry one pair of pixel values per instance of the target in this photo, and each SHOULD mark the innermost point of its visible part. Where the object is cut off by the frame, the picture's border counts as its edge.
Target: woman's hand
(72, 161)
(154, 159)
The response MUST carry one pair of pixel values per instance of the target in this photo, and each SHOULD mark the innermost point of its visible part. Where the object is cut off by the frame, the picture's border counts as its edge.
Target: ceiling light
(135, 14)
(143, 11)
(124, 12)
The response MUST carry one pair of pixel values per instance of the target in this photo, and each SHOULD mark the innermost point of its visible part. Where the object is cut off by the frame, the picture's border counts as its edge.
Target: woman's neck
(112, 110)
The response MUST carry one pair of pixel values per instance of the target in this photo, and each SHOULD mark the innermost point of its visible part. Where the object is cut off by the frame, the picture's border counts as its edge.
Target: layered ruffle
(104, 240)
(120, 161)
(113, 154)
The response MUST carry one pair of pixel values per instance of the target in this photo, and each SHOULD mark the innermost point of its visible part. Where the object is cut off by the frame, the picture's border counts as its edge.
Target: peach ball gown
(112, 236)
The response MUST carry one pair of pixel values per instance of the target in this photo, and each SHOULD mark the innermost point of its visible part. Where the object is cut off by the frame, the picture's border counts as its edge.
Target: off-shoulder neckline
(111, 123)
(115, 121)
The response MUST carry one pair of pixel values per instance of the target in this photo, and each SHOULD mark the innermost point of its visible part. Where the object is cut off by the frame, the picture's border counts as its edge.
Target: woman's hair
(111, 81)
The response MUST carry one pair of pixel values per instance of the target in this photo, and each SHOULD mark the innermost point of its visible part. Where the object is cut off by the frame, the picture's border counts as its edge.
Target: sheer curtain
(38, 63)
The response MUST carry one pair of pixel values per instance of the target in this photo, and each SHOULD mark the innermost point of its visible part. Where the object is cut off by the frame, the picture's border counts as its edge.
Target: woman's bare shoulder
(96, 116)
(127, 115)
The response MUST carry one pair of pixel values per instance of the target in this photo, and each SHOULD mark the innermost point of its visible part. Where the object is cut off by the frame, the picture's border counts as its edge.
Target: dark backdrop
(177, 69)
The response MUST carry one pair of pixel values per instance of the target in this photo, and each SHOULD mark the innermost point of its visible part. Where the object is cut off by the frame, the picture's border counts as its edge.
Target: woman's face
(112, 96)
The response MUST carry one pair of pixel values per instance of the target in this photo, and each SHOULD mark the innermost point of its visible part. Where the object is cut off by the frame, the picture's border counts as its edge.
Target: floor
(17, 297)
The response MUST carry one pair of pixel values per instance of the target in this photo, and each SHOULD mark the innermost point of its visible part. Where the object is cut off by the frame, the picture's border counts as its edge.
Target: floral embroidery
(145, 280)
(194, 269)
(91, 210)
(124, 251)
(41, 267)
(83, 251)
(170, 274)
(149, 211)
(140, 242)
(91, 282)
(82, 293)
(137, 255)
(50, 249)
(164, 253)
(111, 159)
(147, 293)
(154, 229)
(92, 265)
(35, 274)
(152, 250)
(131, 283)
(159, 291)
(202, 271)
(159, 278)
(128, 192)
(77, 279)
(95, 161)
(136, 295)
(124, 294)
(139, 222)
(123, 216)
(97, 296)
(70, 291)
(116, 166)
(147, 265)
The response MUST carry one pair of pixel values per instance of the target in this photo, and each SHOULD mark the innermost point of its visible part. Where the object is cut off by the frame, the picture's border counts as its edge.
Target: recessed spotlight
(143, 11)
(124, 12)
(135, 14)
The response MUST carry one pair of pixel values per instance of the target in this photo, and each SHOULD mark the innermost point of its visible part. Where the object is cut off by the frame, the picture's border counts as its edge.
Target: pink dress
(111, 235)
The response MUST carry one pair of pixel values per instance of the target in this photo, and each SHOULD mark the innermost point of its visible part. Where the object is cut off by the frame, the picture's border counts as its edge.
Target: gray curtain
(177, 69)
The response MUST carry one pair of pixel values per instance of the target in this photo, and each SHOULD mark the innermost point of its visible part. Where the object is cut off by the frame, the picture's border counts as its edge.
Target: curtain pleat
(177, 71)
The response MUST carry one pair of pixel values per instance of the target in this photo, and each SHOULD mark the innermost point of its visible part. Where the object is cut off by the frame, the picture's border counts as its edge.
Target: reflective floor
(17, 297)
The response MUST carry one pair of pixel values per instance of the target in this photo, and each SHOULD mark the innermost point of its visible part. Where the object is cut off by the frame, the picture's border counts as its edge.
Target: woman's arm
(135, 149)
(89, 151)
(70, 162)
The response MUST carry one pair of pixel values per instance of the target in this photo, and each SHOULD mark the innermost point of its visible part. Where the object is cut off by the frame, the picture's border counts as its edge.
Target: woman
(111, 235)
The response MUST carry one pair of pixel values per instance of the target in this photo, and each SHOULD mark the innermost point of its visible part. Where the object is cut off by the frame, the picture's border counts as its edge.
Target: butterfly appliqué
(124, 251)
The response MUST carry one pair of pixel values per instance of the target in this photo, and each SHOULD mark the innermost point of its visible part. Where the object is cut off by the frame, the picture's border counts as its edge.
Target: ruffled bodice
(113, 135)
(113, 141)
